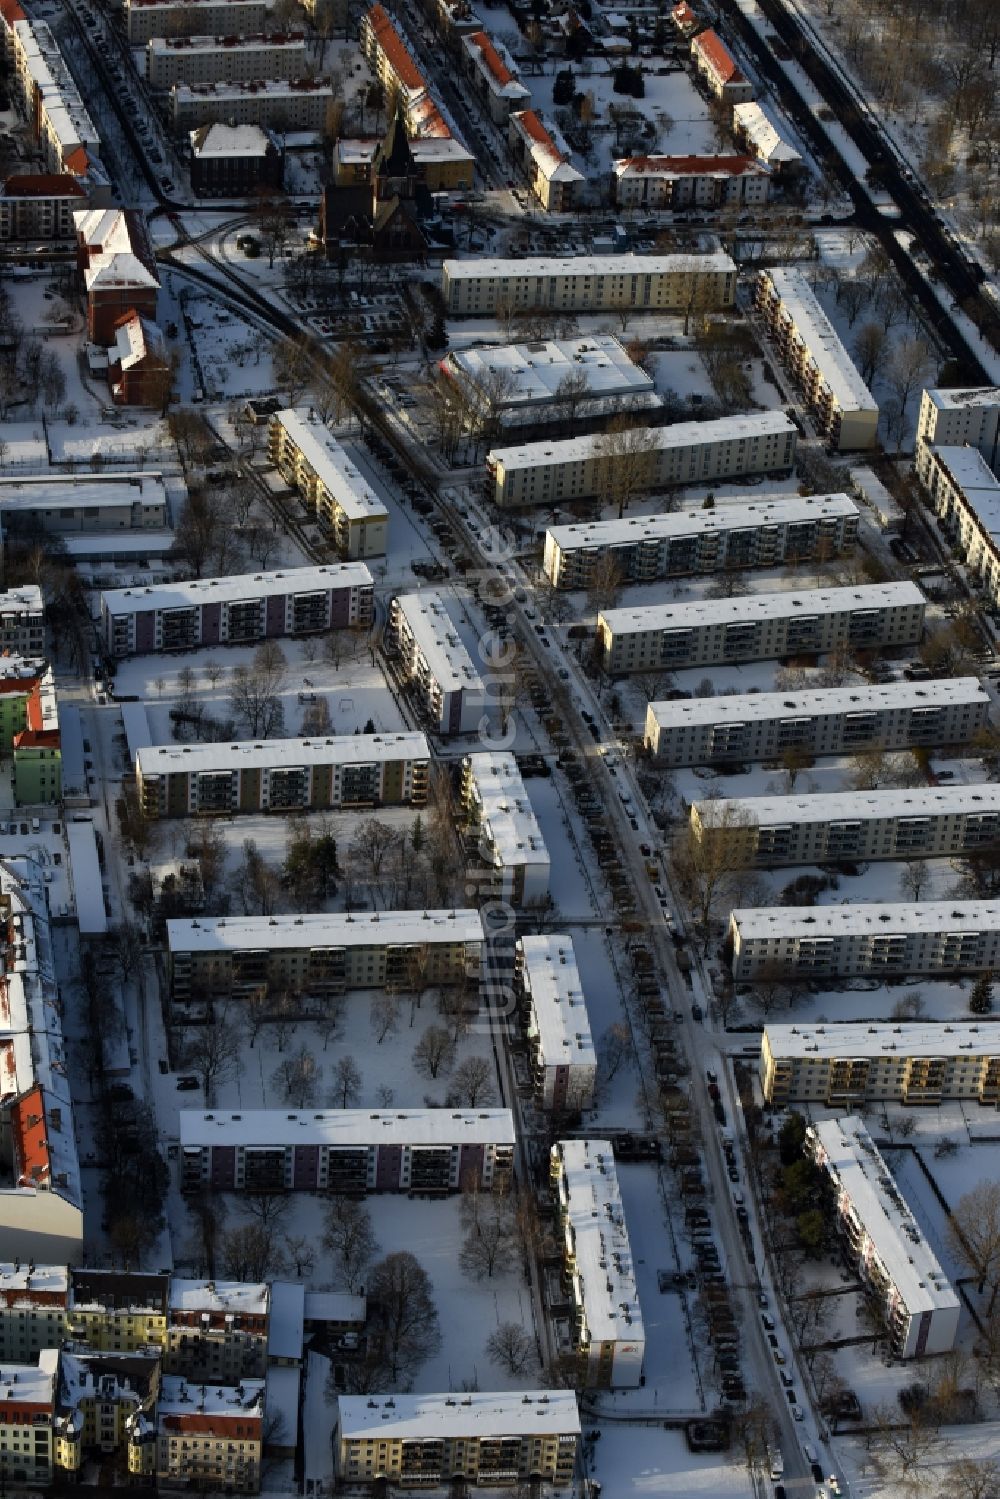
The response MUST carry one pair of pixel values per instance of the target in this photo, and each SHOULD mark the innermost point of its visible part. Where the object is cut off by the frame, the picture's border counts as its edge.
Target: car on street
(187, 1084)
(798, 1414)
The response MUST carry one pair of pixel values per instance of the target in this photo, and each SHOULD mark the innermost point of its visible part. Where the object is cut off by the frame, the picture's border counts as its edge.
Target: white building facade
(434, 664)
(310, 458)
(958, 418)
(225, 59)
(669, 183)
(586, 283)
(965, 494)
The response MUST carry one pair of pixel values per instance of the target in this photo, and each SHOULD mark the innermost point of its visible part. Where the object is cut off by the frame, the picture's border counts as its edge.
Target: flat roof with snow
(898, 1239)
(965, 398)
(642, 618)
(25, 599)
(262, 1128)
(247, 1297)
(754, 425)
(857, 806)
(506, 807)
(829, 701)
(822, 340)
(196, 591)
(856, 919)
(256, 41)
(531, 267)
(979, 486)
(322, 929)
(73, 491)
(602, 1251)
(863, 1040)
(535, 370)
(557, 1001)
(190, 1398)
(438, 641)
(85, 864)
(766, 510)
(280, 754)
(331, 465)
(416, 1418)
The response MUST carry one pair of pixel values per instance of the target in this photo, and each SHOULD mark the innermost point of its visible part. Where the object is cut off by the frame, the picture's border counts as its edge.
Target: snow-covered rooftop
(763, 131)
(920, 1039)
(227, 1296)
(225, 141)
(533, 371)
(197, 591)
(221, 91)
(854, 919)
(330, 463)
(288, 1310)
(889, 696)
(765, 510)
(969, 396)
(814, 328)
(25, 599)
(274, 754)
(979, 486)
(26, 1280)
(415, 1418)
(334, 1306)
(69, 492)
(322, 929)
(604, 1272)
(587, 265)
(680, 435)
(557, 1001)
(189, 1398)
(279, 41)
(30, 1384)
(438, 641)
(506, 808)
(857, 806)
(720, 168)
(813, 601)
(257, 1129)
(855, 1162)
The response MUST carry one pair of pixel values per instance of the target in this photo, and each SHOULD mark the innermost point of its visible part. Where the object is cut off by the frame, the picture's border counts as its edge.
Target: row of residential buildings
(172, 60)
(47, 96)
(281, 104)
(665, 637)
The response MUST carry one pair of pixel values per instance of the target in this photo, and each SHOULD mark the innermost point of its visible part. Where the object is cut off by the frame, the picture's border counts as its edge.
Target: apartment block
(313, 462)
(92, 502)
(218, 1330)
(28, 1405)
(524, 384)
(750, 727)
(544, 156)
(759, 130)
(225, 59)
(670, 637)
(33, 1302)
(420, 1441)
(590, 283)
(850, 1066)
(884, 1242)
(353, 1151)
(929, 823)
(553, 1013)
(581, 468)
(769, 530)
(493, 73)
(968, 417)
(391, 59)
(502, 828)
(235, 610)
(45, 92)
(283, 775)
(603, 1330)
(39, 206)
(965, 494)
(670, 183)
(276, 103)
(111, 1311)
(317, 954)
(435, 666)
(106, 1410)
(810, 349)
(148, 18)
(716, 67)
(210, 1437)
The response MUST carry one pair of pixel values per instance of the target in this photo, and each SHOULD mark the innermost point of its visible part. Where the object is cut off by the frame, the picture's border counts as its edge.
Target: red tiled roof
(532, 126)
(11, 12)
(718, 57)
(492, 58)
(32, 1161)
(392, 45)
(18, 686)
(54, 185)
(680, 166)
(37, 739)
(77, 161)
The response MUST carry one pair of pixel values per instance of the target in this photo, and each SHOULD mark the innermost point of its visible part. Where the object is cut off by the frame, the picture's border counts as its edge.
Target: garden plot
(231, 356)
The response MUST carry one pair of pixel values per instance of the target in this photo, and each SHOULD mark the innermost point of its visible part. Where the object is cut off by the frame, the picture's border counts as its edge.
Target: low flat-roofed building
(810, 348)
(590, 283)
(765, 531)
(346, 1150)
(149, 18)
(480, 1438)
(434, 663)
(825, 827)
(28, 1415)
(669, 637)
(556, 1023)
(605, 1337)
(240, 608)
(846, 1066)
(210, 1436)
(884, 1241)
(225, 59)
(322, 953)
(826, 721)
(311, 459)
(503, 826)
(493, 73)
(956, 418)
(543, 381)
(758, 129)
(579, 468)
(678, 182)
(283, 775)
(83, 502)
(934, 936)
(965, 494)
(278, 103)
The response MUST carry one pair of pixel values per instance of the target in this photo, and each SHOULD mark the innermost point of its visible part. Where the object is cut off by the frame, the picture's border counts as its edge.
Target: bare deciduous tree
(404, 1316)
(346, 1089)
(434, 1052)
(512, 1349)
(472, 1083)
(349, 1237)
(974, 1236)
